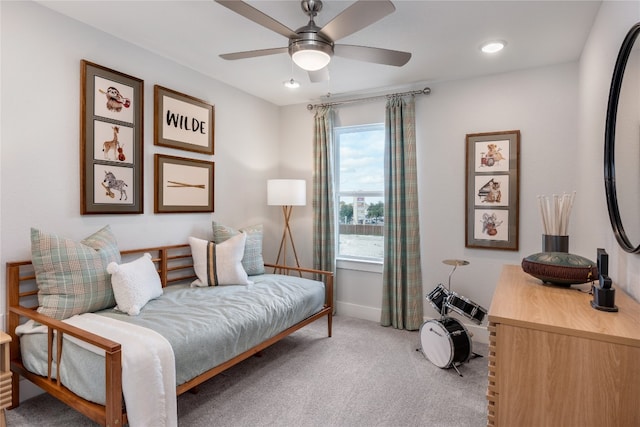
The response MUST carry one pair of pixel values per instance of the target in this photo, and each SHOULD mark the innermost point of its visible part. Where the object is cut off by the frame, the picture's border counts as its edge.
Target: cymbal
(456, 262)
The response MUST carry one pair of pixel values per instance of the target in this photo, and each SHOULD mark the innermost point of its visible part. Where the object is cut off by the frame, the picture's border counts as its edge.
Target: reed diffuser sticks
(555, 213)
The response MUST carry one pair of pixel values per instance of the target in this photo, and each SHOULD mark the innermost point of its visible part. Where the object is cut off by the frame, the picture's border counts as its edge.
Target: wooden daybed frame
(175, 265)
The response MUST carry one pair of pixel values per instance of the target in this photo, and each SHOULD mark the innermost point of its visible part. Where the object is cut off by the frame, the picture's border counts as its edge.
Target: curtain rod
(425, 91)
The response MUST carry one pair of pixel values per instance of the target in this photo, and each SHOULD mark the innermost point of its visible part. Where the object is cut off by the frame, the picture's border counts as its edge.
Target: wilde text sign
(183, 122)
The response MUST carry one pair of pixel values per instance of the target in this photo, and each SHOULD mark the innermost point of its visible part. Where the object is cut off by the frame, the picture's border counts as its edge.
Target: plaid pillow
(252, 260)
(72, 277)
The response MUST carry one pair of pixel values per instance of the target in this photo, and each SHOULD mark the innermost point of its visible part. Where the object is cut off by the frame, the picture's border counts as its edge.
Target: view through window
(360, 191)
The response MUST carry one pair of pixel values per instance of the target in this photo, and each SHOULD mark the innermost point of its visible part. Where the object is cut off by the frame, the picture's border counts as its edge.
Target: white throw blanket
(148, 367)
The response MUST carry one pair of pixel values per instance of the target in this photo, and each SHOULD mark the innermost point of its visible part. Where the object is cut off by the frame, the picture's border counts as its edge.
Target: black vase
(553, 243)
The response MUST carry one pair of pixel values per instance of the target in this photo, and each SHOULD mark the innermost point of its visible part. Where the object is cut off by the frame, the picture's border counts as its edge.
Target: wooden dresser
(5, 377)
(556, 361)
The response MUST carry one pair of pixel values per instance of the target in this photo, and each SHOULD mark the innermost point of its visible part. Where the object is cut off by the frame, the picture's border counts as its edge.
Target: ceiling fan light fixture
(311, 60)
(310, 55)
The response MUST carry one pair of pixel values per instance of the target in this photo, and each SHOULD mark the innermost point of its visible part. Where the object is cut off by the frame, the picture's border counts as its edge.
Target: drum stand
(473, 356)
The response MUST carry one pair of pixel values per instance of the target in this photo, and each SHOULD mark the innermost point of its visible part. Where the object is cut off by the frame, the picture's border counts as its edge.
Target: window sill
(359, 265)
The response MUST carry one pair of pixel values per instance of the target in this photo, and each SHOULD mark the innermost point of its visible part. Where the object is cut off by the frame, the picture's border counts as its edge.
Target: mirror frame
(609, 141)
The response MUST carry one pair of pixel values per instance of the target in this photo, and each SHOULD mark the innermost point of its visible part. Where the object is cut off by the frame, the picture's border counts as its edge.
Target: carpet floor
(365, 375)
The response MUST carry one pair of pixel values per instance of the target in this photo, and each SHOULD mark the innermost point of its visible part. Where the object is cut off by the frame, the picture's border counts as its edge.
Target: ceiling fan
(312, 47)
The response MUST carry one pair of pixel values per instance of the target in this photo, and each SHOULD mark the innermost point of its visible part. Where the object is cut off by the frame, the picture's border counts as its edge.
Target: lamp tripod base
(286, 236)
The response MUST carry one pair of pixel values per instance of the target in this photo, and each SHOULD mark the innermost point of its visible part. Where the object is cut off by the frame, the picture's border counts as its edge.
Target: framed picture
(183, 185)
(111, 141)
(492, 187)
(182, 121)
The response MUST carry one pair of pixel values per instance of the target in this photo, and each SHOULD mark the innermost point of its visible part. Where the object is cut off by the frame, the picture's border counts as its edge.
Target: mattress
(205, 327)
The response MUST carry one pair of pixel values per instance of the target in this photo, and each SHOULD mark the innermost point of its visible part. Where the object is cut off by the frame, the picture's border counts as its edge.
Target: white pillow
(134, 284)
(219, 263)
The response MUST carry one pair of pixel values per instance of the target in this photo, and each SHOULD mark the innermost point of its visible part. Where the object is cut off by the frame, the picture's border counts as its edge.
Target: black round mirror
(622, 144)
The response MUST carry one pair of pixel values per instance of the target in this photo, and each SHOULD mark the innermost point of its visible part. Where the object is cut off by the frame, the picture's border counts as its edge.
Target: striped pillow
(218, 263)
(252, 259)
(72, 276)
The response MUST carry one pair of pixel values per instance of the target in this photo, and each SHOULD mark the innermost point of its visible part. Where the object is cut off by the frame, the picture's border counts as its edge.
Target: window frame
(338, 194)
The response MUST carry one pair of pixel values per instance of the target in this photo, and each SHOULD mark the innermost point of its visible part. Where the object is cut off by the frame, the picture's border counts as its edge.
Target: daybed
(210, 329)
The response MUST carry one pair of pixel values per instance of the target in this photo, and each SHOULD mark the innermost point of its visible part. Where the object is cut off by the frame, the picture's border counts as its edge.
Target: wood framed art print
(111, 141)
(183, 185)
(182, 121)
(492, 190)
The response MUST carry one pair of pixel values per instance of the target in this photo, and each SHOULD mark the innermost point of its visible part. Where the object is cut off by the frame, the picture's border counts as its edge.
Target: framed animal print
(183, 185)
(111, 141)
(492, 190)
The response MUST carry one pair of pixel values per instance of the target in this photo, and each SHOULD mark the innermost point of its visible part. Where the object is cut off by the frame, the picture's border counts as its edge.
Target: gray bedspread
(205, 327)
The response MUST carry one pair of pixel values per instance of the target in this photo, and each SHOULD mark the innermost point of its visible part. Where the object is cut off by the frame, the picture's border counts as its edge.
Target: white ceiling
(443, 36)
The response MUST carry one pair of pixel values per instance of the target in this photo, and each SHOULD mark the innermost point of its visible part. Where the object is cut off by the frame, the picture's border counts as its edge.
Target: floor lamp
(287, 193)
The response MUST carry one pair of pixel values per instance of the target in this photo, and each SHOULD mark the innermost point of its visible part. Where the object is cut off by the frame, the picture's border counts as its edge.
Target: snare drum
(466, 307)
(445, 342)
(438, 298)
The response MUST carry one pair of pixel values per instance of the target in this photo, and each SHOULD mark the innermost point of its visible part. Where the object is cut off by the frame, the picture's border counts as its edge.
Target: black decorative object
(604, 296)
(553, 243)
(622, 236)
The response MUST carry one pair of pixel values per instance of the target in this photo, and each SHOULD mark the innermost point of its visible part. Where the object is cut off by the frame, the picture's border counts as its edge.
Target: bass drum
(445, 342)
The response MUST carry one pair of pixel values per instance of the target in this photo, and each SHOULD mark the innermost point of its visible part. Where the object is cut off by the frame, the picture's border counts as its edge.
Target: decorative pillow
(560, 268)
(72, 277)
(219, 263)
(134, 284)
(252, 260)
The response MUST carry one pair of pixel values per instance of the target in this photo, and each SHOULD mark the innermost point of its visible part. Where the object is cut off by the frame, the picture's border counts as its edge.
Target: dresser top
(522, 300)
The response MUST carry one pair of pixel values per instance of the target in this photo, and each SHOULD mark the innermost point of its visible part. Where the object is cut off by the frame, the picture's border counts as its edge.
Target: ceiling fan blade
(258, 17)
(321, 75)
(357, 16)
(254, 53)
(372, 54)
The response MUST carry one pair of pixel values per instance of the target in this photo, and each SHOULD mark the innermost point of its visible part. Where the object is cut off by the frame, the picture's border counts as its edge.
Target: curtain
(402, 305)
(323, 197)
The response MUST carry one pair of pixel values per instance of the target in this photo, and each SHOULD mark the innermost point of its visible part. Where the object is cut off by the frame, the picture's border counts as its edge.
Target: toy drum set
(446, 341)
(444, 300)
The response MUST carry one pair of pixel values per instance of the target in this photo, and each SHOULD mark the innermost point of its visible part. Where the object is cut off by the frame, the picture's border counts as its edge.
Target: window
(359, 178)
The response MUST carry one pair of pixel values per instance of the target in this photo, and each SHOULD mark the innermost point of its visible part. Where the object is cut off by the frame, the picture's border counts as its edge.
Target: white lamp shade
(286, 192)
(310, 59)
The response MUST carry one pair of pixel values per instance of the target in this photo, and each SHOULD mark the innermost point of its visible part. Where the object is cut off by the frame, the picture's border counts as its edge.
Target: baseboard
(479, 333)
(358, 311)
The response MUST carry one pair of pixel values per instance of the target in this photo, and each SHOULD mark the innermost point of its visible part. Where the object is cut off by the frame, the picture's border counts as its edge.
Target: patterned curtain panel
(323, 197)
(402, 305)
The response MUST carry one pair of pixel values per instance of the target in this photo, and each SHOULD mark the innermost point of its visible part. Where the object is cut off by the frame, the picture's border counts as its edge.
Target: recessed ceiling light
(493, 46)
(291, 84)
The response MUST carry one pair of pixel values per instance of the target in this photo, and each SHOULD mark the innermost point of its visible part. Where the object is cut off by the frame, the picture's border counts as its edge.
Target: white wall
(596, 69)
(558, 109)
(541, 103)
(41, 53)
